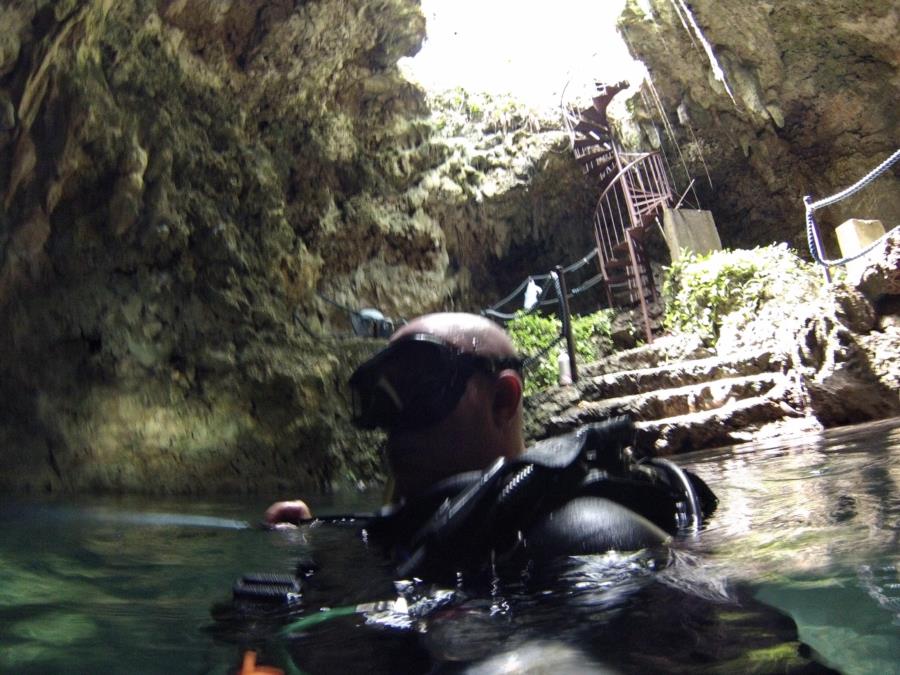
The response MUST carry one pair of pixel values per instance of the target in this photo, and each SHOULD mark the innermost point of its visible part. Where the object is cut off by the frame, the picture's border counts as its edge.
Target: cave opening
(536, 53)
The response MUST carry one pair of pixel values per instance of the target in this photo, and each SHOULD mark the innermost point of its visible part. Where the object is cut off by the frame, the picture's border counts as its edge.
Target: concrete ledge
(689, 230)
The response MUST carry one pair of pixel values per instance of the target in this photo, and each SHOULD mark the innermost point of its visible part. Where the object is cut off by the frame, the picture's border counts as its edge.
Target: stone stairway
(700, 401)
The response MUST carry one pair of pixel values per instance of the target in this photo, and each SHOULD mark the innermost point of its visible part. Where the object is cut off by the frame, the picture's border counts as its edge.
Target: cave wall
(182, 181)
(191, 190)
(805, 104)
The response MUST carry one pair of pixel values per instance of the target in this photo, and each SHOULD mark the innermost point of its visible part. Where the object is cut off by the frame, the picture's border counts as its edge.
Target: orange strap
(250, 667)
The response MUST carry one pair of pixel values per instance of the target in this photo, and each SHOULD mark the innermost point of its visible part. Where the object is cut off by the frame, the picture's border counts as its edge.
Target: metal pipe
(640, 286)
(567, 322)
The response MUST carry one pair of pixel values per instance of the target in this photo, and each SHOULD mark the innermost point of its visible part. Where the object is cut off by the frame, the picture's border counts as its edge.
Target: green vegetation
(531, 333)
(701, 290)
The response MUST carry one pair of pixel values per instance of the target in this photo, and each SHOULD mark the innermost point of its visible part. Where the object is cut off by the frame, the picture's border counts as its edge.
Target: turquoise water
(806, 529)
(813, 526)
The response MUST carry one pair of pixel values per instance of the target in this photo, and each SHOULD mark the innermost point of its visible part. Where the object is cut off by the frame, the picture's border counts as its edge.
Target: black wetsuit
(576, 494)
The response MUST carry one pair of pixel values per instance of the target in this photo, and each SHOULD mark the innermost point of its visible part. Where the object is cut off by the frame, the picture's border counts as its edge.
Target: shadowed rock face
(177, 180)
(166, 171)
(811, 110)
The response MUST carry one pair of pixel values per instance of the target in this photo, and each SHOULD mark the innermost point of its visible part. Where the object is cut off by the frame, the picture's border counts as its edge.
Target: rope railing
(812, 229)
(493, 310)
(574, 267)
(553, 292)
(555, 282)
(543, 301)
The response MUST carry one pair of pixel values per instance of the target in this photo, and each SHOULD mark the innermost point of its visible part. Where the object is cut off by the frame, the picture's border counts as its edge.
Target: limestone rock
(774, 101)
(793, 352)
(193, 190)
(879, 273)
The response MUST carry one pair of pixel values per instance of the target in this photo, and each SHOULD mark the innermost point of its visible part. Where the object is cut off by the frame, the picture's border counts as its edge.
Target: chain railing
(812, 229)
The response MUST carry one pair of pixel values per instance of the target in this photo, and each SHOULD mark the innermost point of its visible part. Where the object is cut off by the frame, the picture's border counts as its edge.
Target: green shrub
(531, 333)
(701, 290)
(593, 335)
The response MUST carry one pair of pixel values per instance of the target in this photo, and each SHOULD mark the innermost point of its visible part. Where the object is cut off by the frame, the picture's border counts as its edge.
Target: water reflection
(807, 526)
(813, 503)
(812, 525)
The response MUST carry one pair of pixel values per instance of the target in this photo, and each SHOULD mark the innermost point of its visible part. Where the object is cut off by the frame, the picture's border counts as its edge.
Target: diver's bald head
(467, 332)
(486, 420)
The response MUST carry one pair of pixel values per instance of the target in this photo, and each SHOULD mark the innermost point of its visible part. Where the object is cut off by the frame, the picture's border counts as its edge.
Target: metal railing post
(566, 321)
(814, 233)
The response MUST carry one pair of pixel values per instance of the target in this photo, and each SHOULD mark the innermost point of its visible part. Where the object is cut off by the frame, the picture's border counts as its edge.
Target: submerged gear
(576, 494)
(416, 382)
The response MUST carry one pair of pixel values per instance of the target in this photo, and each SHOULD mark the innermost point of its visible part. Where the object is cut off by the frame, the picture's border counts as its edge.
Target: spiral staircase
(635, 187)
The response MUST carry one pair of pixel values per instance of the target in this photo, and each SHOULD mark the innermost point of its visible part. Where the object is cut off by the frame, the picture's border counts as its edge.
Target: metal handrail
(812, 230)
(618, 176)
(643, 186)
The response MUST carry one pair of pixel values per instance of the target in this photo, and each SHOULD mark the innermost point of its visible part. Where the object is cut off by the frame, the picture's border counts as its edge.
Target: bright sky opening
(533, 51)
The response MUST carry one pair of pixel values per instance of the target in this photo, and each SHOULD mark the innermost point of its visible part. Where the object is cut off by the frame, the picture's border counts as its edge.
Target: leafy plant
(532, 333)
(593, 335)
(701, 290)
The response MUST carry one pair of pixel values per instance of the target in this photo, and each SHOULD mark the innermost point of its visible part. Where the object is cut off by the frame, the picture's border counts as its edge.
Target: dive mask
(416, 382)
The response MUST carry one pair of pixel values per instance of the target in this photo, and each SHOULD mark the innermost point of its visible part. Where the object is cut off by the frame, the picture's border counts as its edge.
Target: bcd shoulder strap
(490, 514)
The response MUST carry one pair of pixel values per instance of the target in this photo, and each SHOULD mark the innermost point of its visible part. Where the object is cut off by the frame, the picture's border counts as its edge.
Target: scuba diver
(468, 496)
(474, 510)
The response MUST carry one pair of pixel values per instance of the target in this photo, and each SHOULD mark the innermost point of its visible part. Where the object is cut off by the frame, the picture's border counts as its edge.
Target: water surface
(806, 533)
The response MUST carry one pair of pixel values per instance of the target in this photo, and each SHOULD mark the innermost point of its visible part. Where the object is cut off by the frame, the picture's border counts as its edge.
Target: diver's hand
(288, 513)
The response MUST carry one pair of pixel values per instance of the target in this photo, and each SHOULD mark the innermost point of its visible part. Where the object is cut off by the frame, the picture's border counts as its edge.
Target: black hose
(695, 513)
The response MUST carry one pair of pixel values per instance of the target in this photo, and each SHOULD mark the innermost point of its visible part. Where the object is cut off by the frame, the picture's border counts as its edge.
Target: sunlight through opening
(531, 51)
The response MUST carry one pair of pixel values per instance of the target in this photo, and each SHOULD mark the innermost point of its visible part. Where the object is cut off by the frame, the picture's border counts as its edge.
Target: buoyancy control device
(584, 492)
(581, 493)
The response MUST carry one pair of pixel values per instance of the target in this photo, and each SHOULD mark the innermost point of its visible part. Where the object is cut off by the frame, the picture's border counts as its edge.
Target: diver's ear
(507, 396)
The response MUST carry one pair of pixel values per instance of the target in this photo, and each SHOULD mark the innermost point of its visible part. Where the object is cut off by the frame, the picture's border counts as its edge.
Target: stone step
(683, 373)
(665, 403)
(666, 348)
(727, 425)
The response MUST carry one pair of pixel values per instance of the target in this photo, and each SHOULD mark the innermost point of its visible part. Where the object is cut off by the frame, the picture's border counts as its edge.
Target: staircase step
(620, 248)
(727, 425)
(628, 298)
(669, 348)
(624, 275)
(620, 279)
(637, 233)
(599, 158)
(596, 387)
(617, 263)
(595, 163)
(587, 127)
(595, 116)
(591, 142)
(666, 403)
(647, 201)
(700, 402)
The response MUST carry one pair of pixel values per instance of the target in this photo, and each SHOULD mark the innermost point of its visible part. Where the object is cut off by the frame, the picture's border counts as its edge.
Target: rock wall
(191, 192)
(181, 183)
(799, 99)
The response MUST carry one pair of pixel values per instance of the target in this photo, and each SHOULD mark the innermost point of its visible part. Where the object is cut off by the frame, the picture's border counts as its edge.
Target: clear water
(806, 529)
